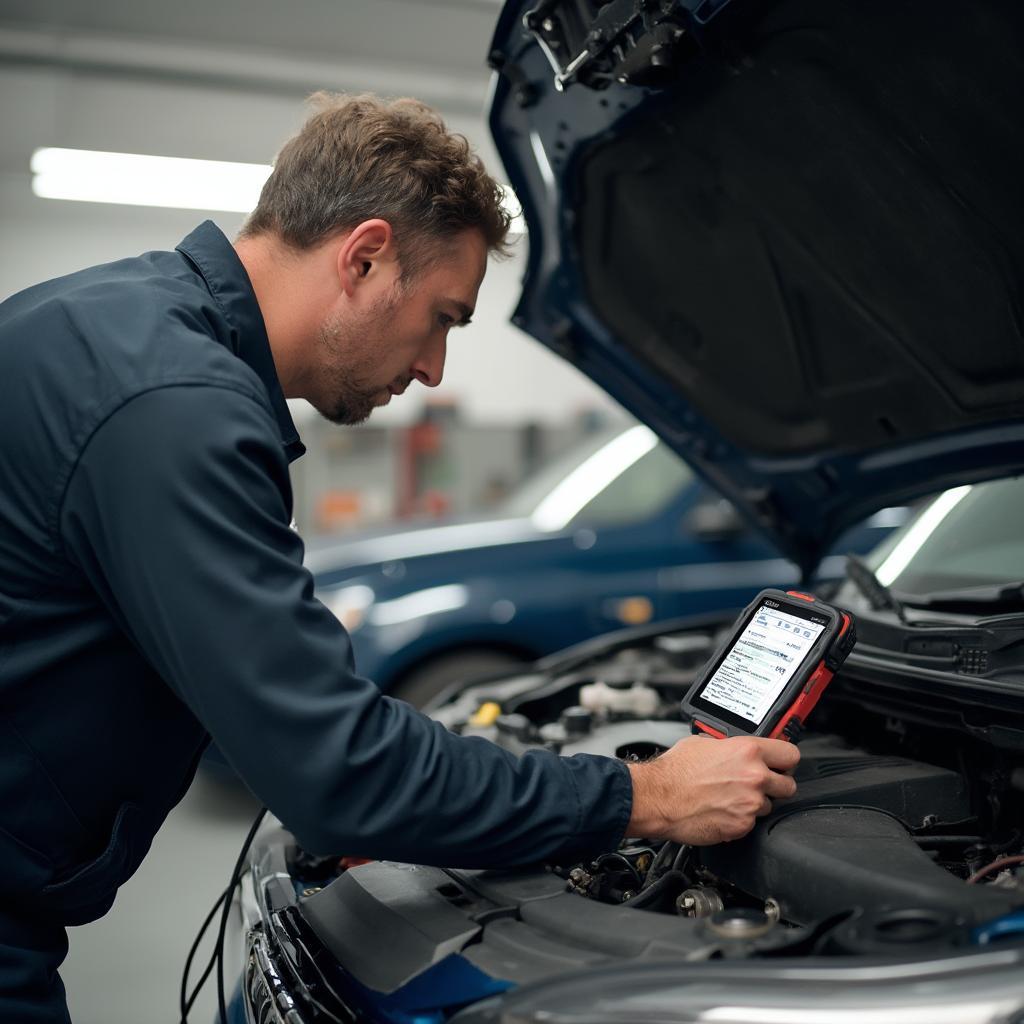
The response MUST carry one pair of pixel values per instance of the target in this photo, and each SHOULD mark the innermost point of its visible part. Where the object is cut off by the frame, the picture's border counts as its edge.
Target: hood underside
(797, 251)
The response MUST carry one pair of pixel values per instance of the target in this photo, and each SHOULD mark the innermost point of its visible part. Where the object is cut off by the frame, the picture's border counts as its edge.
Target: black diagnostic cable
(226, 913)
(186, 1001)
(217, 958)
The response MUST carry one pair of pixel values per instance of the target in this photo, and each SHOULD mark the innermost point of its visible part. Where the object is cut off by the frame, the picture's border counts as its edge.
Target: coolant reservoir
(638, 699)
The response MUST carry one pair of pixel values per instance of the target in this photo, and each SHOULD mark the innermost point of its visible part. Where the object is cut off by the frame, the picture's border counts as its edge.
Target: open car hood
(787, 234)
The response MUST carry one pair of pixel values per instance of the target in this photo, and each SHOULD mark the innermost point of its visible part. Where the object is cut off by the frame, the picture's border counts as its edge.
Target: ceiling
(210, 79)
(264, 45)
(226, 80)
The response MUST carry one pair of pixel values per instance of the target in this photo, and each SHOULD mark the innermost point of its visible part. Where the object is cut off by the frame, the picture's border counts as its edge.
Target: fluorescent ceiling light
(591, 477)
(134, 179)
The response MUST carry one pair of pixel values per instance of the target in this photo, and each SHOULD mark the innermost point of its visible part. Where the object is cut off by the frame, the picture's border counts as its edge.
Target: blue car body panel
(530, 593)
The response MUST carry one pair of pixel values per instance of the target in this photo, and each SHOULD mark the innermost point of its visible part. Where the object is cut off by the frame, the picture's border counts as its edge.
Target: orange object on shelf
(337, 509)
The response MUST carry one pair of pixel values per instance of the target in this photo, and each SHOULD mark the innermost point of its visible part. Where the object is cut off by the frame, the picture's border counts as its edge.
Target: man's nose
(429, 368)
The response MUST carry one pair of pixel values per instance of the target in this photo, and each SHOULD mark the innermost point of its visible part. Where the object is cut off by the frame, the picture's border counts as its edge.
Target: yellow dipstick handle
(485, 714)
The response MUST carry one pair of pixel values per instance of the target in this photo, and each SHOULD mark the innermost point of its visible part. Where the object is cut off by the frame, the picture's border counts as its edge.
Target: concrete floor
(126, 967)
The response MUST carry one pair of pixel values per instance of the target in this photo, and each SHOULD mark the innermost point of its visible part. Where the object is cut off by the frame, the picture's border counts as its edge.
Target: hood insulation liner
(818, 234)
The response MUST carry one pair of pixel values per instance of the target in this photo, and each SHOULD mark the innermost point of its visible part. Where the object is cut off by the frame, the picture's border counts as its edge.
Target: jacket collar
(216, 260)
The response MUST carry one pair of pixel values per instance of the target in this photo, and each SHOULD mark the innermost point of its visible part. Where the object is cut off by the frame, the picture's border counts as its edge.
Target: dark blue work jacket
(152, 593)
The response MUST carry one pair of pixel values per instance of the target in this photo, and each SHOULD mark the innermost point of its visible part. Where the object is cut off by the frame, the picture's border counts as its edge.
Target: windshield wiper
(988, 595)
(879, 596)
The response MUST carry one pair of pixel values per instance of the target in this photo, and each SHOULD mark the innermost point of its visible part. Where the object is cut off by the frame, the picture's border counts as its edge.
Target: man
(152, 593)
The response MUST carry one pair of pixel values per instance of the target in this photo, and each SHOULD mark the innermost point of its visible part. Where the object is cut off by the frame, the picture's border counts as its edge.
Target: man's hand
(706, 791)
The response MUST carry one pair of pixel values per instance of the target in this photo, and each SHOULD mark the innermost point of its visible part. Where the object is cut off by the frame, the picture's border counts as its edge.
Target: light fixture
(136, 179)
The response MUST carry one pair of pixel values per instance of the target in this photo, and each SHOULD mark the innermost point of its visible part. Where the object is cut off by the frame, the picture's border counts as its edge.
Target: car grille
(266, 999)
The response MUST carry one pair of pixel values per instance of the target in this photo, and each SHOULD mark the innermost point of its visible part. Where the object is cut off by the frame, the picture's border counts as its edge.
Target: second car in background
(618, 532)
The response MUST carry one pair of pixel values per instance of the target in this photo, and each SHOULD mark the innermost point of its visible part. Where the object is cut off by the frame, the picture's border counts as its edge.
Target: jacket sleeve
(177, 512)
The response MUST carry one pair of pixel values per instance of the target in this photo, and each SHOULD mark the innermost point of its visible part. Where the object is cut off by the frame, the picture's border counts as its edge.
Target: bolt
(698, 902)
(627, 895)
(548, 25)
(772, 909)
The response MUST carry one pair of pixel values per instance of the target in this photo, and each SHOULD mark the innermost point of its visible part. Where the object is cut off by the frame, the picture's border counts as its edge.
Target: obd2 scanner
(772, 669)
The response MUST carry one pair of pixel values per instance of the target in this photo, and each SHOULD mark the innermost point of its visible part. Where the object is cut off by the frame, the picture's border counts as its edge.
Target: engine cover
(831, 774)
(843, 841)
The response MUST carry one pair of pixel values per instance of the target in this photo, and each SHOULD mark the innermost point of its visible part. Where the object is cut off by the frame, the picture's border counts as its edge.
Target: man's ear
(366, 248)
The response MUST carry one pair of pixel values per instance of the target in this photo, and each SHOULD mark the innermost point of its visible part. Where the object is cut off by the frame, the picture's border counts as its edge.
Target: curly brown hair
(361, 157)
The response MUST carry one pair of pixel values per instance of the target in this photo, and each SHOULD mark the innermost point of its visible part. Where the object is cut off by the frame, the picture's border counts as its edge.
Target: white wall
(496, 373)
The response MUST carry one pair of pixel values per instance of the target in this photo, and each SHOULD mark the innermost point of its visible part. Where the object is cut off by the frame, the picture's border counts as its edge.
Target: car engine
(904, 840)
(899, 833)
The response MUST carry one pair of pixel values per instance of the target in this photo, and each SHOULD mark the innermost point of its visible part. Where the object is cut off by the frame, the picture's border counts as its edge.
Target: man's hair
(361, 157)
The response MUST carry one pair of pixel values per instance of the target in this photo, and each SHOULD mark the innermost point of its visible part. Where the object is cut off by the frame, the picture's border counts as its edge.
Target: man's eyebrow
(466, 311)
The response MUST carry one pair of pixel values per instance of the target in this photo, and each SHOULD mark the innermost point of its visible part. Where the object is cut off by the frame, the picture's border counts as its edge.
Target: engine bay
(904, 840)
(900, 832)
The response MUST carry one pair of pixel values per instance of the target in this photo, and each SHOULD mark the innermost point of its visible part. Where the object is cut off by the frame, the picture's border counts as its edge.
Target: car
(902, 851)
(787, 235)
(618, 531)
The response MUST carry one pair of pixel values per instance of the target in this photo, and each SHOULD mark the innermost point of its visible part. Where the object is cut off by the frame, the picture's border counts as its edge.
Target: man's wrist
(647, 818)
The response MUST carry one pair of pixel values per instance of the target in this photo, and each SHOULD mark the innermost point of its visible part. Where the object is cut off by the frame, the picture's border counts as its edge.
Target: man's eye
(445, 320)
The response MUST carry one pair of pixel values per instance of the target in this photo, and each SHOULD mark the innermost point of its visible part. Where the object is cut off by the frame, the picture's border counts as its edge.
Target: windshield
(539, 484)
(618, 478)
(970, 536)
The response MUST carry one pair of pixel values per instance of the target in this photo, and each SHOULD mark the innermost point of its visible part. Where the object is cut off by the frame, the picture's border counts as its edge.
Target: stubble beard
(350, 353)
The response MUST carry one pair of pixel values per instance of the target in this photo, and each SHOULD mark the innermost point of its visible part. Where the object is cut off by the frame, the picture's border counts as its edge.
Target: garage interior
(228, 81)
(801, 355)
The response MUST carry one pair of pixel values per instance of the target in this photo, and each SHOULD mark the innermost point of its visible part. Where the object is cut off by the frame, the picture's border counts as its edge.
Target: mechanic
(153, 595)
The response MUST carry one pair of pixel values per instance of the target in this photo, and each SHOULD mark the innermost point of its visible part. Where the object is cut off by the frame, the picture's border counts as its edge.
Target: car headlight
(349, 604)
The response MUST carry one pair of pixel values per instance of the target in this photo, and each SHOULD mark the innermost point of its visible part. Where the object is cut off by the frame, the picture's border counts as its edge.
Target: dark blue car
(618, 532)
(788, 235)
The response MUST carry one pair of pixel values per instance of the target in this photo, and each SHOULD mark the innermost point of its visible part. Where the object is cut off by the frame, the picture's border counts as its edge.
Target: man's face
(396, 333)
